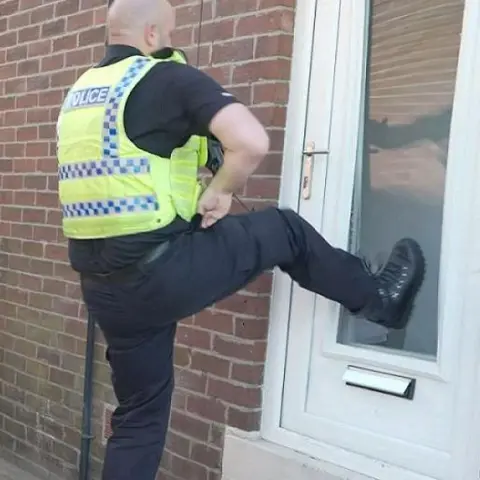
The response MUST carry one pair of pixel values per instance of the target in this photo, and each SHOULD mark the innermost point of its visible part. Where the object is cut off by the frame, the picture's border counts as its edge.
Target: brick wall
(246, 45)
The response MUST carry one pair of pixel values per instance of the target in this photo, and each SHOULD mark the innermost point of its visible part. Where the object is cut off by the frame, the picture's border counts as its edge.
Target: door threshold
(269, 461)
(291, 460)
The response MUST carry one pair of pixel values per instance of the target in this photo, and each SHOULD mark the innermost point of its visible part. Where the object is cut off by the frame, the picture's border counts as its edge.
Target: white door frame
(465, 140)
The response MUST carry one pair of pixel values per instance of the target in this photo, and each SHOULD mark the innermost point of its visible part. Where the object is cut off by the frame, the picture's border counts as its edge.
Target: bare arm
(245, 144)
(210, 109)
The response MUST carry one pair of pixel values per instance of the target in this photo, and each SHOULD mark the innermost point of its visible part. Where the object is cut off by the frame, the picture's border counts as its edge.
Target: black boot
(398, 283)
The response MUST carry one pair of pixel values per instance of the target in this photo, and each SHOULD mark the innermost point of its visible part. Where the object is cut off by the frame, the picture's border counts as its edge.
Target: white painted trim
(460, 210)
(289, 196)
(465, 141)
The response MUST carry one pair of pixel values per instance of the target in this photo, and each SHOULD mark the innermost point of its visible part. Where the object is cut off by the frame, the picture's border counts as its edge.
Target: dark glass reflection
(411, 70)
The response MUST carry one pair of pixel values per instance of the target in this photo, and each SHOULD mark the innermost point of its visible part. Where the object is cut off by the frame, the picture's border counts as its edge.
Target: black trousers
(138, 316)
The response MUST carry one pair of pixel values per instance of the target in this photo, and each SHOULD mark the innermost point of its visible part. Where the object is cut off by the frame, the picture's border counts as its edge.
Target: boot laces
(390, 275)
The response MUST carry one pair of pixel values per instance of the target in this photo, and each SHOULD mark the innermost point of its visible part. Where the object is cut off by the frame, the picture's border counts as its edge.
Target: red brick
(42, 14)
(183, 37)
(271, 116)
(251, 328)
(27, 101)
(221, 74)
(192, 381)
(100, 16)
(188, 470)
(183, 356)
(204, 362)
(92, 36)
(192, 337)
(53, 28)
(8, 71)
(8, 40)
(188, 425)
(200, 57)
(191, 14)
(77, 328)
(66, 42)
(32, 249)
(86, 4)
(274, 45)
(245, 304)
(211, 320)
(207, 408)
(236, 50)
(261, 70)
(235, 394)
(66, 7)
(8, 134)
(43, 326)
(17, 53)
(242, 93)
(206, 455)
(216, 31)
(178, 444)
(263, 187)
(79, 57)
(17, 20)
(247, 373)
(53, 62)
(80, 20)
(233, 348)
(227, 8)
(31, 215)
(280, 20)
(179, 400)
(29, 34)
(270, 93)
(277, 3)
(26, 134)
(248, 420)
(262, 284)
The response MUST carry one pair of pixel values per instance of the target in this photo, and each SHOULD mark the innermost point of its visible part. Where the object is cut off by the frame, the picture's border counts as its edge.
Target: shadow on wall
(412, 64)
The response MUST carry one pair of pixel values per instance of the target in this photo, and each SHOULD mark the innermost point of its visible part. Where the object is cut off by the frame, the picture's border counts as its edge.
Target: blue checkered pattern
(110, 128)
(111, 164)
(111, 207)
(107, 166)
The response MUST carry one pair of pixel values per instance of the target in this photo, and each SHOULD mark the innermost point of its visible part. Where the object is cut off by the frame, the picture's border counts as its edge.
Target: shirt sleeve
(201, 97)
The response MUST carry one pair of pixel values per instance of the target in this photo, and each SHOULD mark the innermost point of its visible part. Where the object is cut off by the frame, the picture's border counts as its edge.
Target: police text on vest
(87, 97)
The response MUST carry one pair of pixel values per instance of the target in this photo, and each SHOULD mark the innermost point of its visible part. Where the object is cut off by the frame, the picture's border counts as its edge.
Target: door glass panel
(413, 49)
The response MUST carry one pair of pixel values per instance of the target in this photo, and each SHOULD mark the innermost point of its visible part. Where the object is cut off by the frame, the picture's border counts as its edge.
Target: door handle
(308, 155)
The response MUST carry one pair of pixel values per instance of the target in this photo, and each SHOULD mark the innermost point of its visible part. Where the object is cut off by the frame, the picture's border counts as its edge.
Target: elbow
(259, 145)
(263, 144)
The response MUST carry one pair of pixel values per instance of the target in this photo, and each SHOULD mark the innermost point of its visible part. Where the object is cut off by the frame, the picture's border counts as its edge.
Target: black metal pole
(87, 437)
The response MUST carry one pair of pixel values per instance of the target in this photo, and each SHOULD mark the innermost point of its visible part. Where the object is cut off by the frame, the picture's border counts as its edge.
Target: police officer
(152, 247)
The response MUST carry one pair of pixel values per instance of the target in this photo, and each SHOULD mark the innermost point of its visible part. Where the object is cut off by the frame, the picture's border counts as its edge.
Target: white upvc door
(386, 151)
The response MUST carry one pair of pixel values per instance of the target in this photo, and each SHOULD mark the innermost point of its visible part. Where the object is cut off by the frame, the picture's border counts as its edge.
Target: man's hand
(213, 205)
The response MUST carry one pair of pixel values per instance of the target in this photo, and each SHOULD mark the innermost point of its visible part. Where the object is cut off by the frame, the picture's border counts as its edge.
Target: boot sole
(417, 282)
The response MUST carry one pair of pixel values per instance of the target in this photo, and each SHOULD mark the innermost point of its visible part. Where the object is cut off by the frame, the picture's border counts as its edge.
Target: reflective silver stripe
(101, 208)
(106, 166)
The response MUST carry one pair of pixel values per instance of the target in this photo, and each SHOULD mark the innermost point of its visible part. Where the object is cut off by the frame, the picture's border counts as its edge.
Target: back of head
(144, 24)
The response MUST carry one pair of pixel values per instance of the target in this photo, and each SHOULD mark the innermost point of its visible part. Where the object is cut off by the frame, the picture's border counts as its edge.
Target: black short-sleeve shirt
(170, 104)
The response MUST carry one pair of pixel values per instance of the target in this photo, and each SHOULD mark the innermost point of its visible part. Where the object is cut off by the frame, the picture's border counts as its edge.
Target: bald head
(144, 24)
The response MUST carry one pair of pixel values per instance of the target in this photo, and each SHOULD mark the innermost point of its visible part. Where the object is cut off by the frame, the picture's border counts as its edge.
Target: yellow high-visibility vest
(107, 186)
